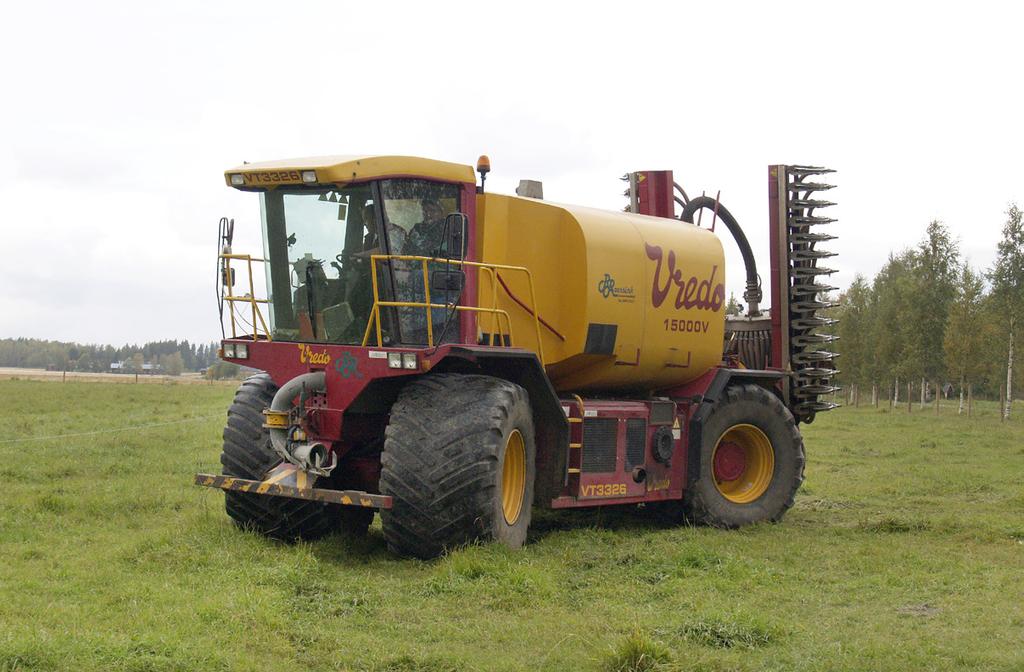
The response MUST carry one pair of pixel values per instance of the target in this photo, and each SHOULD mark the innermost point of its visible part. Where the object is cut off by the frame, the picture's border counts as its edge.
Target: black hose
(225, 231)
(753, 294)
(679, 187)
(220, 278)
(310, 300)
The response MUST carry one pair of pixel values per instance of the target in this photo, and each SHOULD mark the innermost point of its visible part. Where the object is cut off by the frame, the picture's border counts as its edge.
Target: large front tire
(751, 461)
(247, 454)
(459, 462)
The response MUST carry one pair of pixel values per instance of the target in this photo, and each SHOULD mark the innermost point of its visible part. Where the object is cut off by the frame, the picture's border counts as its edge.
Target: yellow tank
(626, 302)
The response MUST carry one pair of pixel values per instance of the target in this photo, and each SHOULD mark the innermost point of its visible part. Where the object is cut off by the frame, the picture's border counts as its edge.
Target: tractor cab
(336, 232)
(319, 245)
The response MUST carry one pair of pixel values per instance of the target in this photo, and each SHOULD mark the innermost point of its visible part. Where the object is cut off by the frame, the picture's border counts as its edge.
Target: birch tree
(964, 337)
(1007, 276)
(888, 328)
(936, 265)
(854, 341)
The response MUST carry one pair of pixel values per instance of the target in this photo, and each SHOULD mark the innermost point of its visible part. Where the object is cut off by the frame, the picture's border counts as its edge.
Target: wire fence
(115, 430)
(10, 373)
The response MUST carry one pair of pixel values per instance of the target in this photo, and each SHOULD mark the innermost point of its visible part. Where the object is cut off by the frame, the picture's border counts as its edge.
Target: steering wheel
(350, 258)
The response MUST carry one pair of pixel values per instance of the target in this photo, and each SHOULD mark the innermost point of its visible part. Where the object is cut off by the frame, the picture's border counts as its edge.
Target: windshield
(318, 244)
(414, 211)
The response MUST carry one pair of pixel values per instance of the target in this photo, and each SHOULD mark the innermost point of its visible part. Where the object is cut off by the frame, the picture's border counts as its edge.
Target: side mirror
(454, 236)
(447, 281)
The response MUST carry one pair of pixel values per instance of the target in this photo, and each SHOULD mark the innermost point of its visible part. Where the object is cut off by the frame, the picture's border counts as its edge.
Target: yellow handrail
(374, 323)
(427, 304)
(257, 314)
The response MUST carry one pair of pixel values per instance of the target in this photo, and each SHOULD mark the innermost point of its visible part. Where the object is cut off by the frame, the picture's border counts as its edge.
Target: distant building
(126, 367)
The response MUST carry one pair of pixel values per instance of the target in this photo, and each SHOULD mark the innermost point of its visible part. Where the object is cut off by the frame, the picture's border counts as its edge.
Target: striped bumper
(288, 481)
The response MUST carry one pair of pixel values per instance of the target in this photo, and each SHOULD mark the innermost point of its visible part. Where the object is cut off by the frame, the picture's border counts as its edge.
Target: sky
(119, 120)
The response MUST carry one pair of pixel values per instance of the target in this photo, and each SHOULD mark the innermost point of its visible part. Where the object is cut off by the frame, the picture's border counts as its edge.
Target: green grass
(905, 551)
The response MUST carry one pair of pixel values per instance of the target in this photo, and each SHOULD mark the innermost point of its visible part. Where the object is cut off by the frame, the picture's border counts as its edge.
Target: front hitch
(288, 480)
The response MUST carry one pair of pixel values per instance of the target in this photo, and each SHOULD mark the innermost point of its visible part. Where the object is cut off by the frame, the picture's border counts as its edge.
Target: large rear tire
(751, 461)
(247, 454)
(459, 462)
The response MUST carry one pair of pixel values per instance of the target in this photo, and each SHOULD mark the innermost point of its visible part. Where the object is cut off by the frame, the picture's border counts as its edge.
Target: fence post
(936, 398)
(969, 399)
(910, 397)
(874, 395)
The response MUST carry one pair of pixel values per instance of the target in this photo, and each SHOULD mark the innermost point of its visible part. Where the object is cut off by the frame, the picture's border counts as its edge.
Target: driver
(425, 237)
(372, 243)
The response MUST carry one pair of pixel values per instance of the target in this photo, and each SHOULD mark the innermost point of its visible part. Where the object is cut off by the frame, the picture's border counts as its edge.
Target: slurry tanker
(454, 359)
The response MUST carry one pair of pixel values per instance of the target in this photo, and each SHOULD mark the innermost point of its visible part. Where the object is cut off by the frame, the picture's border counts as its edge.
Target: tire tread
(440, 460)
(697, 505)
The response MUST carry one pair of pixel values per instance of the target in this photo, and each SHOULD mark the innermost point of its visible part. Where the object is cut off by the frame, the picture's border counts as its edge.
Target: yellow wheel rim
(743, 463)
(513, 477)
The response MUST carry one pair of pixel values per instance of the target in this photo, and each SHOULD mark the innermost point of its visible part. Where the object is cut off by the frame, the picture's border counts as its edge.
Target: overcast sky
(119, 119)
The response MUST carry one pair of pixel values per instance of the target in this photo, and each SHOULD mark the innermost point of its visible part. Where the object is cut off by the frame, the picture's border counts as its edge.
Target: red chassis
(623, 468)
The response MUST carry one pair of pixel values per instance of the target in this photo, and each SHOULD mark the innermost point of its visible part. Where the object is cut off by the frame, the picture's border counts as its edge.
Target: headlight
(409, 360)
(237, 180)
(229, 350)
(309, 176)
(241, 351)
(394, 360)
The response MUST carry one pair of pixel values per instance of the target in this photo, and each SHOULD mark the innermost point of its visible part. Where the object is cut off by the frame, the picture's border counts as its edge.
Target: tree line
(172, 357)
(928, 318)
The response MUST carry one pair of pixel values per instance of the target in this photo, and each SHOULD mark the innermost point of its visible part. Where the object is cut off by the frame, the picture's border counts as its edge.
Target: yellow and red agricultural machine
(453, 358)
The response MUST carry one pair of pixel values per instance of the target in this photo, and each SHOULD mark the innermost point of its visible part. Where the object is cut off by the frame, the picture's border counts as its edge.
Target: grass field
(905, 551)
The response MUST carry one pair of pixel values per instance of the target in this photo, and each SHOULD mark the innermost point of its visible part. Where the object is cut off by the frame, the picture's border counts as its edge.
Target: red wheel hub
(730, 461)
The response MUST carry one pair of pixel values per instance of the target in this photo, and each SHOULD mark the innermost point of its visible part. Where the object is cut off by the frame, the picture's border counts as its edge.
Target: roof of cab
(343, 169)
